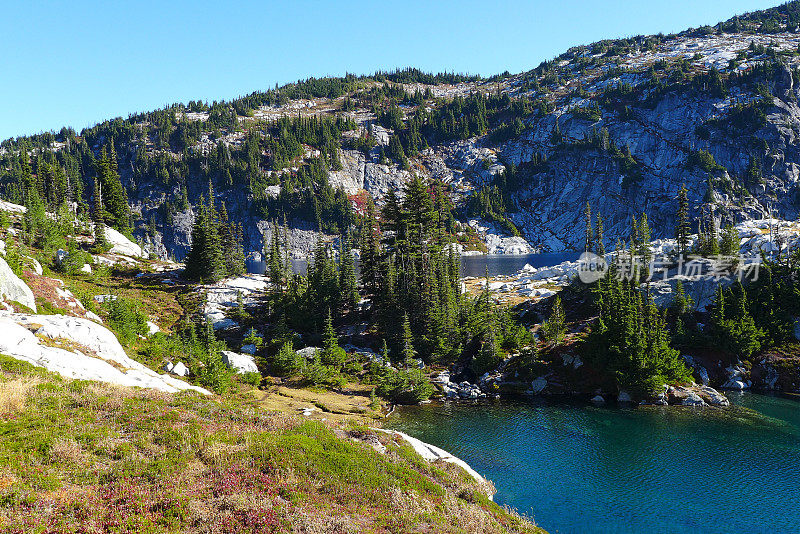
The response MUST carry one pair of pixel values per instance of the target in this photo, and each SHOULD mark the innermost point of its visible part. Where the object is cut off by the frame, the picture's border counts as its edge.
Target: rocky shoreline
(682, 395)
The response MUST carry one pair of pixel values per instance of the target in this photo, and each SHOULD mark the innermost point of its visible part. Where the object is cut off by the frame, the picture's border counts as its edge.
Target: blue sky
(77, 63)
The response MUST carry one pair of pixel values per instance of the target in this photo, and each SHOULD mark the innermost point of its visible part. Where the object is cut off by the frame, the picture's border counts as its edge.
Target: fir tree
(419, 207)
(331, 354)
(275, 264)
(98, 216)
(348, 284)
(230, 235)
(729, 245)
(643, 233)
(370, 250)
(205, 261)
(599, 247)
(407, 351)
(630, 341)
(323, 284)
(287, 362)
(114, 197)
(587, 216)
(488, 356)
(682, 227)
(554, 328)
(635, 243)
(733, 326)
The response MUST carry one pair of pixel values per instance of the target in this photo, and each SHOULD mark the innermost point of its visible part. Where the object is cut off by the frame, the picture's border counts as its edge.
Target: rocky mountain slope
(620, 124)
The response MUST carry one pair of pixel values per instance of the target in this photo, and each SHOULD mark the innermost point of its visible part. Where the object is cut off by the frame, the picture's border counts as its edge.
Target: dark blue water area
(582, 469)
(496, 264)
(505, 264)
(259, 267)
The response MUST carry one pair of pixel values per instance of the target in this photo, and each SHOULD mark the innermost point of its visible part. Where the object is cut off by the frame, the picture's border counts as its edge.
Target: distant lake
(497, 264)
(504, 264)
(583, 469)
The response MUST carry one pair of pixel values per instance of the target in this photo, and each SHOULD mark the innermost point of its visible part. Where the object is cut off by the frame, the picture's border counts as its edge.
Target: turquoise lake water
(574, 468)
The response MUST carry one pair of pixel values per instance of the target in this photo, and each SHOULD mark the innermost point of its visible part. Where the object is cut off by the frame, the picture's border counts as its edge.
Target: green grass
(79, 456)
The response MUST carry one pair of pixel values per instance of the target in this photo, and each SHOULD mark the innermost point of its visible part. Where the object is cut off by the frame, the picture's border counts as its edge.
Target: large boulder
(121, 244)
(441, 378)
(737, 378)
(538, 385)
(13, 288)
(13, 208)
(308, 352)
(432, 453)
(694, 395)
(712, 396)
(180, 369)
(693, 399)
(241, 363)
(624, 396)
(224, 296)
(79, 349)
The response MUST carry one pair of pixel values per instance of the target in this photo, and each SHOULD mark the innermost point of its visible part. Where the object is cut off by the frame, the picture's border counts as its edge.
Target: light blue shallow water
(582, 469)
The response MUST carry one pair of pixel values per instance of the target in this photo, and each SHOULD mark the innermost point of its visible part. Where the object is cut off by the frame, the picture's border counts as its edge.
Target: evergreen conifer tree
(682, 227)
(114, 197)
(729, 245)
(555, 327)
(100, 241)
(205, 261)
(370, 250)
(275, 263)
(599, 247)
(407, 342)
(331, 354)
(587, 216)
(348, 283)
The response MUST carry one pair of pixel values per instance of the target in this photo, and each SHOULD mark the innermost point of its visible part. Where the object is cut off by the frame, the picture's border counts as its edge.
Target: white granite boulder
(90, 351)
(180, 369)
(12, 287)
(737, 378)
(121, 244)
(241, 363)
(308, 352)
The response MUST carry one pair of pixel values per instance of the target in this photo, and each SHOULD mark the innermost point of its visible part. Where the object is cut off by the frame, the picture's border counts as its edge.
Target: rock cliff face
(621, 125)
(661, 140)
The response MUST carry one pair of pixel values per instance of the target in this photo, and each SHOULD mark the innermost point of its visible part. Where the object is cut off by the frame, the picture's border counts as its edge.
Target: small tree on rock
(554, 328)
